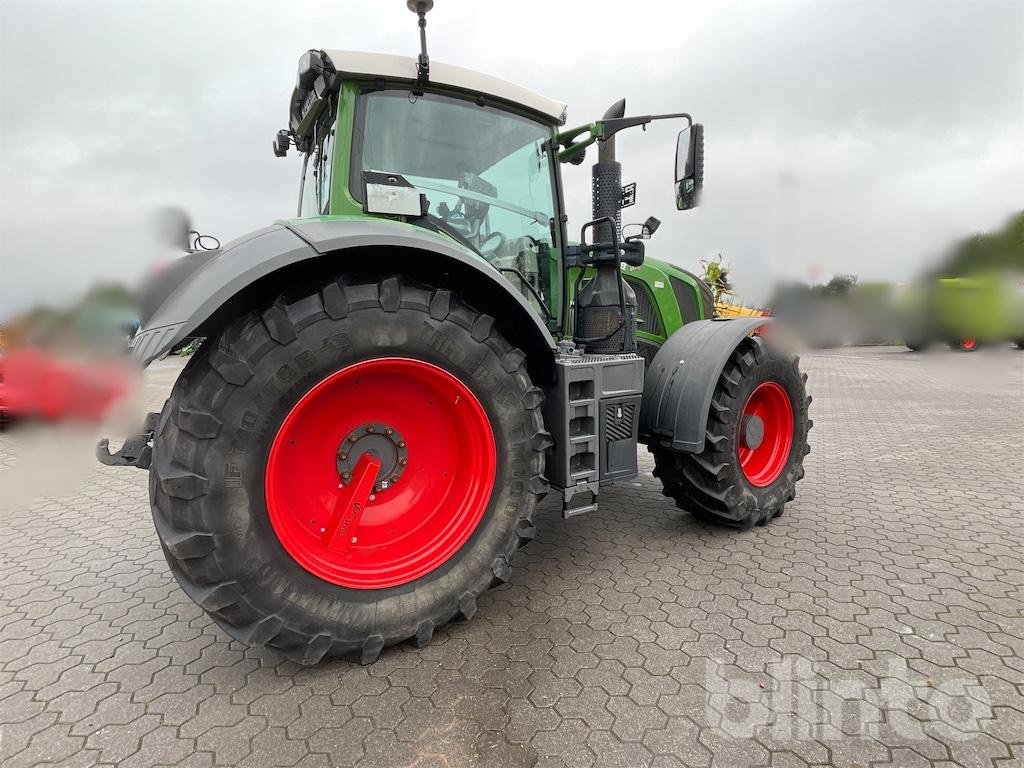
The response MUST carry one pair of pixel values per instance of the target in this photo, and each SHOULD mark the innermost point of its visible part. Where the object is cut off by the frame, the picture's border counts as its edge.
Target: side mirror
(281, 142)
(647, 229)
(689, 167)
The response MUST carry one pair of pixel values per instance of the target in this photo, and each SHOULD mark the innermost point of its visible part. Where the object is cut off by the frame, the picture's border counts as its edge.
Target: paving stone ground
(879, 622)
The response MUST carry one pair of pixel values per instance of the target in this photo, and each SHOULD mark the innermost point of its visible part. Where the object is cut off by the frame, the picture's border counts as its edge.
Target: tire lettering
(232, 475)
(339, 342)
(440, 343)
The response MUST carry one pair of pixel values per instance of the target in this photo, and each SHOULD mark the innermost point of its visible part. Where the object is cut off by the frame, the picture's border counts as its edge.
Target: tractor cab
(463, 154)
(478, 160)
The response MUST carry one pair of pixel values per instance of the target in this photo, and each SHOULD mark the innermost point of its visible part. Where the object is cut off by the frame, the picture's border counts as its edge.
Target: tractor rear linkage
(137, 451)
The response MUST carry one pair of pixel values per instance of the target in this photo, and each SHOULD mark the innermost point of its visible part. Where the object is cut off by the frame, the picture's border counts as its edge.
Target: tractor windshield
(484, 172)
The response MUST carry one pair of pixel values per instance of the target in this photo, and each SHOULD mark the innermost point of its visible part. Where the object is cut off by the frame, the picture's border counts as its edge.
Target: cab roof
(403, 68)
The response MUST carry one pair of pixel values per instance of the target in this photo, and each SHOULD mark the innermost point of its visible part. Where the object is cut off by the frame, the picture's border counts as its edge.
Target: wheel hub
(753, 431)
(765, 434)
(380, 473)
(381, 441)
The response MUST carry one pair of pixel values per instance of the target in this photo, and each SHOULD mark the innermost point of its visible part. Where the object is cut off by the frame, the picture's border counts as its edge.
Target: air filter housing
(601, 327)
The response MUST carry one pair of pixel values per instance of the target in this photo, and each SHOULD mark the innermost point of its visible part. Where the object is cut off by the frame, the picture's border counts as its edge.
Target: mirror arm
(573, 152)
(604, 129)
(632, 238)
(616, 124)
(564, 137)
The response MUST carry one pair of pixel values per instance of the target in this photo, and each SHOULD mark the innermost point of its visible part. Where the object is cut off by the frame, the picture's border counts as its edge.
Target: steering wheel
(491, 250)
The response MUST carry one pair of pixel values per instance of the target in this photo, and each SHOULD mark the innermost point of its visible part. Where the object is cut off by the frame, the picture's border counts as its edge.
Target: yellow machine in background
(725, 309)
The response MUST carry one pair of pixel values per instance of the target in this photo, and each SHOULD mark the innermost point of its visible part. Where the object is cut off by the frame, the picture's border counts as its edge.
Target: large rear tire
(348, 469)
(755, 443)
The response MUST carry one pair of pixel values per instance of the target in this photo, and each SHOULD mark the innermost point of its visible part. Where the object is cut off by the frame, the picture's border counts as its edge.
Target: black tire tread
(178, 477)
(704, 483)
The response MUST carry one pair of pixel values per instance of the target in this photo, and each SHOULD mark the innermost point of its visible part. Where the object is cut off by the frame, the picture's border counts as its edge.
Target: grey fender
(681, 380)
(261, 265)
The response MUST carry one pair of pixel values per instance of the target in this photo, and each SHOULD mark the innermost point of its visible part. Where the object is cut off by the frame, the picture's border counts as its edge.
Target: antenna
(420, 8)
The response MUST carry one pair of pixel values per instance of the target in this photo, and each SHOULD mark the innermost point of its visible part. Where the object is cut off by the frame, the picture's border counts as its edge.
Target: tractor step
(571, 507)
(592, 411)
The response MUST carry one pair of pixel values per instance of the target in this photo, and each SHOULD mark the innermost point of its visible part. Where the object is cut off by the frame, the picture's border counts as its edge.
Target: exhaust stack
(606, 181)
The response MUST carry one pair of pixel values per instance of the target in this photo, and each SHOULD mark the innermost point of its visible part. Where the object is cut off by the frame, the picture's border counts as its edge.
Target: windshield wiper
(448, 189)
(443, 226)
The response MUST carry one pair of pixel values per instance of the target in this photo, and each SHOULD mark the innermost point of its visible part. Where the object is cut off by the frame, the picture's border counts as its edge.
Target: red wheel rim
(765, 434)
(361, 534)
(968, 343)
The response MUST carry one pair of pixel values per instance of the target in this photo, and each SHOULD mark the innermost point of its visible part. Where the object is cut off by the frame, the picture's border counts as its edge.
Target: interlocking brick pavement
(880, 621)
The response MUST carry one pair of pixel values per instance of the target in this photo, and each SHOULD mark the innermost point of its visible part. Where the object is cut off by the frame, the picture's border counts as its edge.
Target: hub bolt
(403, 462)
(369, 428)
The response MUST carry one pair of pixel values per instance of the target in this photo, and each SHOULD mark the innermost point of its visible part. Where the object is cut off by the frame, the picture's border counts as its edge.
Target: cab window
(485, 172)
(315, 196)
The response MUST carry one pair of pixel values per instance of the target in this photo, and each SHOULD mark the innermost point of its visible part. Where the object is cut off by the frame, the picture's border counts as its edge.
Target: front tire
(755, 443)
(966, 344)
(262, 444)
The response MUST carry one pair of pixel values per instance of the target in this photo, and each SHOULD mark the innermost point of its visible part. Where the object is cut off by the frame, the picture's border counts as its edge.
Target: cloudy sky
(841, 136)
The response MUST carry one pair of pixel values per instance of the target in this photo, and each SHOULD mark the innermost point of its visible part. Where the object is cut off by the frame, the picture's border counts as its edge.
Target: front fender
(681, 381)
(332, 246)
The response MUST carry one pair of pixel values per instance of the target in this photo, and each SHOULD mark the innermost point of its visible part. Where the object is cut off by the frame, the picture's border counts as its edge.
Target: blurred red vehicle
(36, 384)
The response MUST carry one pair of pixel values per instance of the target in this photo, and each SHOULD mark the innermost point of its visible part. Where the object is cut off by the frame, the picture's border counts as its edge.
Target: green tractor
(985, 308)
(389, 383)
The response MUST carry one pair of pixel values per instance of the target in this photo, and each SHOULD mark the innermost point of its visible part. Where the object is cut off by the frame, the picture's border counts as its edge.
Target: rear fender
(681, 381)
(257, 267)
(202, 286)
